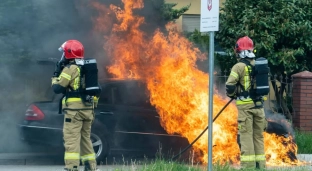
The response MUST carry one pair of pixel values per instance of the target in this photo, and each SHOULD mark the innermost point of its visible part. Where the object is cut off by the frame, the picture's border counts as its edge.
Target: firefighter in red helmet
(78, 116)
(251, 117)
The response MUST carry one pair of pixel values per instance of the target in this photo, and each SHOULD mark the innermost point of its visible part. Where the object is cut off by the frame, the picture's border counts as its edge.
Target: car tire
(100, 143)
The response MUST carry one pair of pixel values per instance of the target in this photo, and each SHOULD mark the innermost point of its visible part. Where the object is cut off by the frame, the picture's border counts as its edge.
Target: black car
(125, 123)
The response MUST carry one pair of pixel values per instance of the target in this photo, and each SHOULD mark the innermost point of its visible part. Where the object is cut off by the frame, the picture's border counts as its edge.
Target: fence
(279, 100)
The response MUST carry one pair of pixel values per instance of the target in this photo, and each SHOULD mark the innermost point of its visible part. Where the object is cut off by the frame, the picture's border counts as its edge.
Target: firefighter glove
(58, 69)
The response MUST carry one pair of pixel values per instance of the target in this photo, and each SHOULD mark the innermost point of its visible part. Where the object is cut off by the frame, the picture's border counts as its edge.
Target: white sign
(209, 17)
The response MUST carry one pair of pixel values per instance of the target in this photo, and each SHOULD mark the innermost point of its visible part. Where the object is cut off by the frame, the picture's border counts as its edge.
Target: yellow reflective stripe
(246, 101)
(247, 158)
(74, 99)
(246, 78)
(95, 99)
(260, 157)
(77, 80)
(76, 83)
(234, 74)
(64, 75)
(239, 126)
(72, 156)
(88, 157)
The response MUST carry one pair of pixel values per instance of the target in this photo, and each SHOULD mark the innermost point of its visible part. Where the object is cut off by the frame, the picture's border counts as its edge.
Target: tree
(163, 12)
(281, 30)
(171, 14)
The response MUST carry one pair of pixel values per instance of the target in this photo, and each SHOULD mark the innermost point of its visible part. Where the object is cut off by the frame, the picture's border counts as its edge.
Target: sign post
(209, 22)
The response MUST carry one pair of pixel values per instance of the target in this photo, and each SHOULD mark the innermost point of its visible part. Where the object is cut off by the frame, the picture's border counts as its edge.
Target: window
(111, 95)
(129, 93)
(137, 95)
(190, 22)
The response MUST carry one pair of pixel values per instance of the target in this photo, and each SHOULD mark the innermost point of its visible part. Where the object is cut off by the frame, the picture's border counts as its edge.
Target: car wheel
(99, 139)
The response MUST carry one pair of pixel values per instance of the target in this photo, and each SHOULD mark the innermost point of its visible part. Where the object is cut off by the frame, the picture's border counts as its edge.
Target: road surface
(12, 163)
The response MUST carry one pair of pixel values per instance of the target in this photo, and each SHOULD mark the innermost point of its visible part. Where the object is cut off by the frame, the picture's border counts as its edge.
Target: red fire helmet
(244, 43)
(72, 49)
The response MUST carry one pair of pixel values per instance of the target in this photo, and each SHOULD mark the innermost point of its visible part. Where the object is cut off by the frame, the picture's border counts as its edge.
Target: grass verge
(303, 141)
(163, 165)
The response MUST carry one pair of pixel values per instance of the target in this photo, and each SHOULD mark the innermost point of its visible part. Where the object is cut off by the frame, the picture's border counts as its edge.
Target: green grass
(163, 165)
(303, 140)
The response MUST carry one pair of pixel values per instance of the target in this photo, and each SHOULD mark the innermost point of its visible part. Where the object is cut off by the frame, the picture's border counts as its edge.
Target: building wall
(194, 9)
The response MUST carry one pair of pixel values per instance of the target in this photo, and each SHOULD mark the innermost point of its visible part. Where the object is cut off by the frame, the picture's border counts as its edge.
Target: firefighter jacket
(69, 81)
(239, 83)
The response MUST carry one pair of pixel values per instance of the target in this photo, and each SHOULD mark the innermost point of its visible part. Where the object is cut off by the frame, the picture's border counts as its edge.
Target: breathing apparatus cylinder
(262, 77)
(90, 72)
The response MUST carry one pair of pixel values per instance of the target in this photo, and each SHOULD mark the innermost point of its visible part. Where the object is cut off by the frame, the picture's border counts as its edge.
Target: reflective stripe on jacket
(240, 74)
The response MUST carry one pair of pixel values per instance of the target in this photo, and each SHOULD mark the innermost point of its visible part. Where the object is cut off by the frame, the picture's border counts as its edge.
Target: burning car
(126, 123)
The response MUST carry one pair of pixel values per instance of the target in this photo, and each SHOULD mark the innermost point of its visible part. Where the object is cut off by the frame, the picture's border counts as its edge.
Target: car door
(143, 122)
(140, 120)
(130, 124)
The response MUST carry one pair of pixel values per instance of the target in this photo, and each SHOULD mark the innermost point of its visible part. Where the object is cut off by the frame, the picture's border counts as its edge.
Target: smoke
(32, 30)
(279, 124)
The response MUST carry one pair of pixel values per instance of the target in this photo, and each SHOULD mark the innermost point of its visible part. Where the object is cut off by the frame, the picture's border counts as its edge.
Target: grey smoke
(32, 30)
(281, 121)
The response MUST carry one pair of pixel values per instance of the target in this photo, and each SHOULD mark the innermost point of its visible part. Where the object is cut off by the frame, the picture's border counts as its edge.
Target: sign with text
(209, 15)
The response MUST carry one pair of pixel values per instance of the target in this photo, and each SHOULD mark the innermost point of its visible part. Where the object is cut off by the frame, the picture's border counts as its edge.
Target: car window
(136, 94)
(111, 95)
(130, 93)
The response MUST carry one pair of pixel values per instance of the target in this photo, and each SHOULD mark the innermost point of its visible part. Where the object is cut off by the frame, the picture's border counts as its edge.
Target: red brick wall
(302, 100)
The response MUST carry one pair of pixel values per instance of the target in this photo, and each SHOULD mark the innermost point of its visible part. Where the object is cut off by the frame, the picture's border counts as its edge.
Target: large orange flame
(178, 90)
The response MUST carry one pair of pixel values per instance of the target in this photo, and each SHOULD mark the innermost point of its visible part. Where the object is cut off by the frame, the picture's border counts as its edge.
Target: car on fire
(125, 123)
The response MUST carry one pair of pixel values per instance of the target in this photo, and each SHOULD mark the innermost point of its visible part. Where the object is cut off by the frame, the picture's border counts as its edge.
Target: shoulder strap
(245, 93)
(245, 61)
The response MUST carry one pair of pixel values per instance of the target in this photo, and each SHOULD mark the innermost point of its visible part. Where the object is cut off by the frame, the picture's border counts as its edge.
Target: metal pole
(210, 105)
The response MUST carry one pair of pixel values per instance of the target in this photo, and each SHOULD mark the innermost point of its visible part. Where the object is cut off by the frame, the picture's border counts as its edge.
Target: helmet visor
(246, 54)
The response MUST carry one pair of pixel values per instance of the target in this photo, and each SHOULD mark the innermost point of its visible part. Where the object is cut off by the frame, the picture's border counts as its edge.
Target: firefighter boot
(88, 167)
(75, 169)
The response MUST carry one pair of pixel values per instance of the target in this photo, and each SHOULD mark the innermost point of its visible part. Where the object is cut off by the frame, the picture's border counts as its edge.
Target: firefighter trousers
(251, 125)
(77, 142)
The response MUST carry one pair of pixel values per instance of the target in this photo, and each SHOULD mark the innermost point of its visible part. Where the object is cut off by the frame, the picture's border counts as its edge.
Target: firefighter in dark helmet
(251, 116)
(78, 115)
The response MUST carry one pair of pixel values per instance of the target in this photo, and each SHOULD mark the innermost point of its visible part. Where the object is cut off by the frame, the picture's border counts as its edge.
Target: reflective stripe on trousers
(72, 156)
(248, 158)
(88, 157)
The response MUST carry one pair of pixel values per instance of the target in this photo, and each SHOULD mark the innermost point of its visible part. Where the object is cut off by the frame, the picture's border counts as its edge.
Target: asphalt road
(58, 168)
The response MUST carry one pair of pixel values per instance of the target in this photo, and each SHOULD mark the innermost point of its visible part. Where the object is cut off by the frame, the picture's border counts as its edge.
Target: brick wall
(302, 100)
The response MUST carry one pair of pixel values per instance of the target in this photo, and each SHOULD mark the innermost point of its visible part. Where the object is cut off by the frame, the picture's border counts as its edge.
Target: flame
(280, 150)
(177, 88)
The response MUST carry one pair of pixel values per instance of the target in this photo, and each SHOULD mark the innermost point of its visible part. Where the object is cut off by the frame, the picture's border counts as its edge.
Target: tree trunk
(280, 102)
